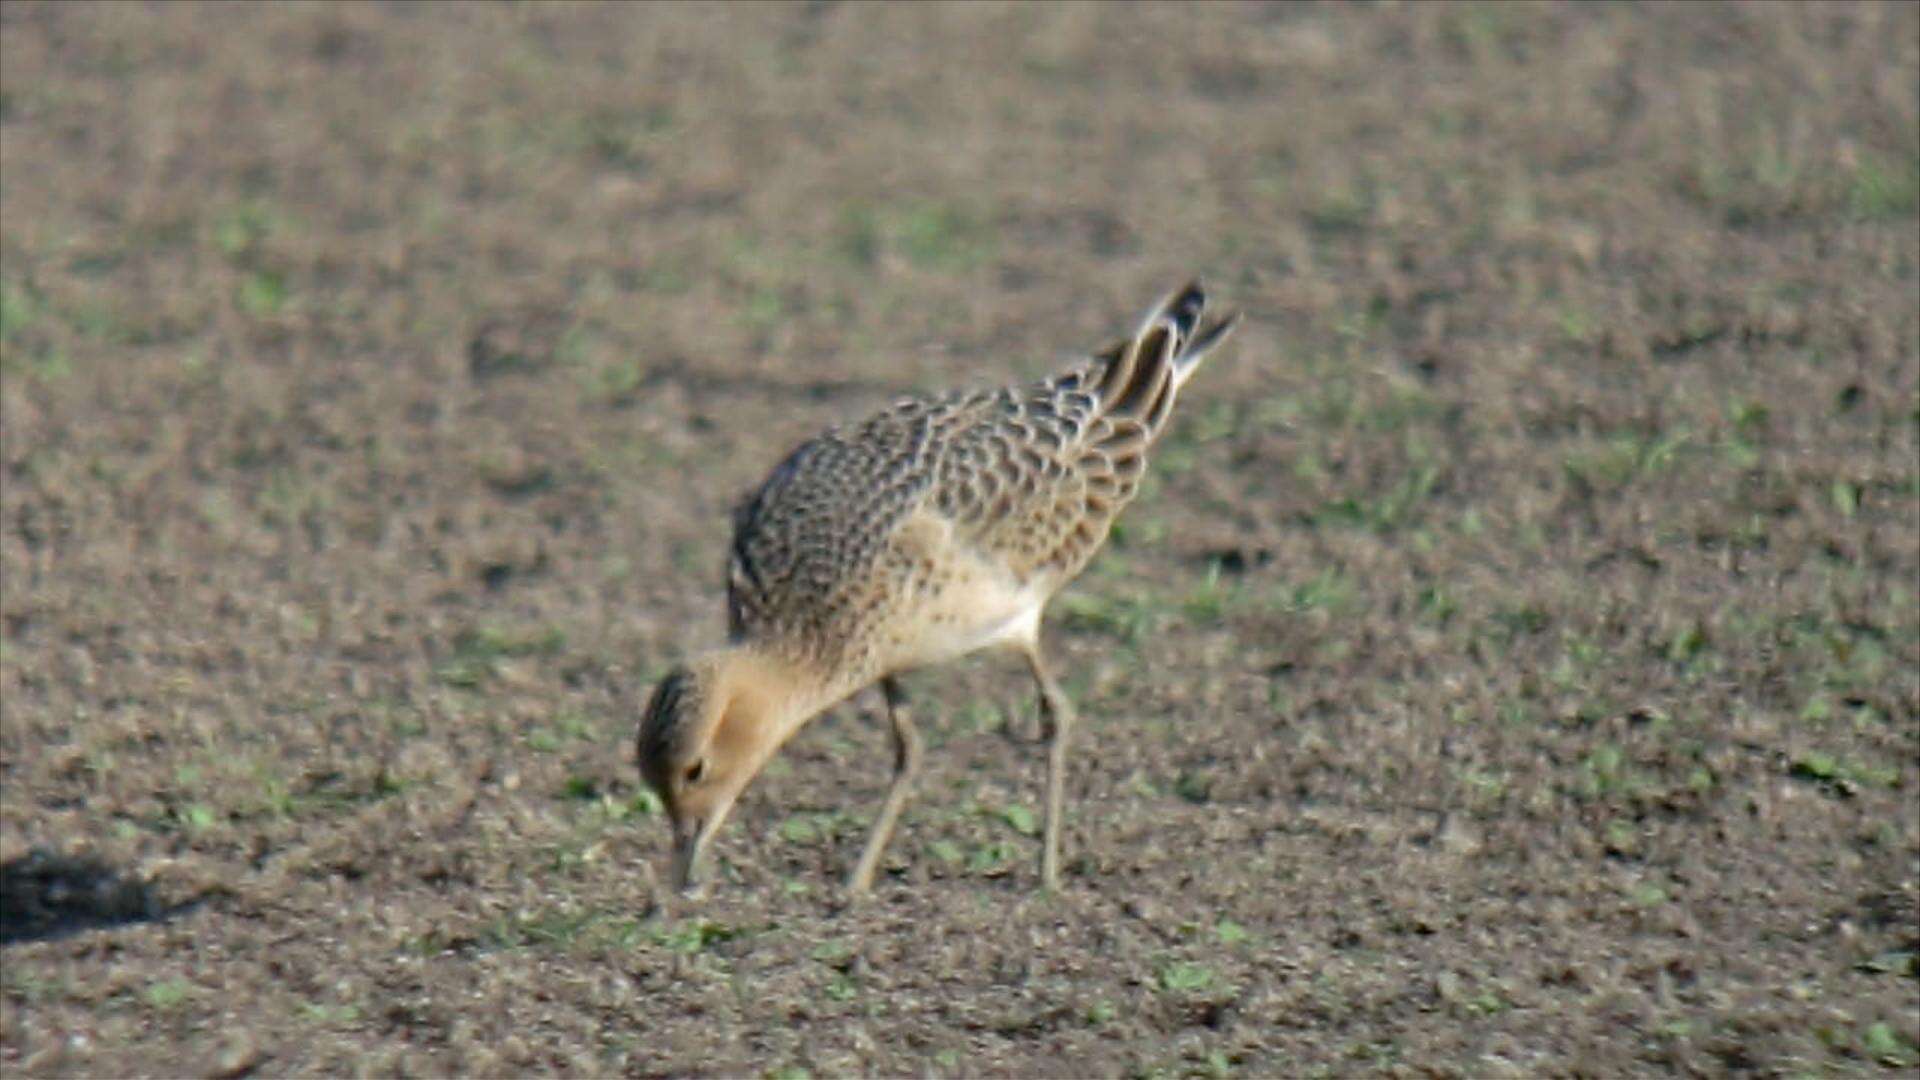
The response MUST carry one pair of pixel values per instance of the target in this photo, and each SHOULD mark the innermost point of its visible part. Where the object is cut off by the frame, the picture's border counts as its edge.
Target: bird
(938, 527)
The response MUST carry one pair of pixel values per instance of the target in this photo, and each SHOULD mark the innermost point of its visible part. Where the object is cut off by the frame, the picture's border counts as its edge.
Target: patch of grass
(861, 238)
(1486, 33)
(1342, 210)
(477, 651)
(167, 995)
(991, 857)
(1185, 978)
(981, 717)
(1020, 820)
(1208, 602)
(1138, 528)
(1816, 766)
(815, 826)
(1483, 788)
(765, 309)
(928, 235)
(1749, 430)
(1845, 772)
(618, 139)
(583, 930)
(1625, 459)
(842, 987)
(617, 382)
(101, 322)
(1216, 1064)
(645, 804)
(1648, 894)
(1194, 787)
(1130, 618)
(1508, 624)
(1436, 604)
(940, 237)
(324, 793)
(197, 817)
(1330, 591)
(1686, 644)
(800, 829)
(836, 952)
(1386, 512)
(20, 307)
(29, 987)
(1404, 408)
(1886, 1047)
(1487, 1002)
(1577, 325)
(1900, 962)
(1846, 498)
(1881, 190)
(239, 231)
(1605, 773)
(329, 1014)
(263, 292)
(1622, 837)
(573, 723)
(23, 309)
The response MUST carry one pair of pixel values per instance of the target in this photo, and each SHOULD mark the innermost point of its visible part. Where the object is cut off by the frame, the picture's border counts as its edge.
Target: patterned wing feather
(1038, 482)
(1029, 477)
(1041, 476)
(809, 539)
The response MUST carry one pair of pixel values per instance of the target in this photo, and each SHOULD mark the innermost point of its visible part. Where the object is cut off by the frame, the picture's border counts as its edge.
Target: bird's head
(707, 731)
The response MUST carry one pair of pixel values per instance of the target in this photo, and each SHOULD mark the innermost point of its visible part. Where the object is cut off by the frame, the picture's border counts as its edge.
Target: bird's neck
(769, 696)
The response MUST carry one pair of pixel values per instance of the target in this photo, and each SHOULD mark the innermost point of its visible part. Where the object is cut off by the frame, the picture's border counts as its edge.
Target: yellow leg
(1057, 715)
(906, 768)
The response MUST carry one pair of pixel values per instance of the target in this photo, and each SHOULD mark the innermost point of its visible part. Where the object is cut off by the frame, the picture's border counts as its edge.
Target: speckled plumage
(864, 529)
(932, 529)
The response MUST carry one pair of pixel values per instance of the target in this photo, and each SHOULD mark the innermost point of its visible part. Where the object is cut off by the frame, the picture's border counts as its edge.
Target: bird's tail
(1145, 373)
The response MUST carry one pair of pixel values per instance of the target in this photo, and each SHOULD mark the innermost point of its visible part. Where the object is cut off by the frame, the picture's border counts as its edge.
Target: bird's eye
(695, 771)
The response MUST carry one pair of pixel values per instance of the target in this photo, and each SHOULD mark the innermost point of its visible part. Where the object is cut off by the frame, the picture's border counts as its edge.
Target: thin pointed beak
(689, 842)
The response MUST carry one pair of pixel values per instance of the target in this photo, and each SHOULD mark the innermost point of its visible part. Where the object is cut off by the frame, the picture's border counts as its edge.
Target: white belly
(969, 601)
(986, 619)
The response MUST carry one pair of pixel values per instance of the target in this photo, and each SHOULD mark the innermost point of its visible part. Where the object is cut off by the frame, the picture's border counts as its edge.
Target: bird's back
(938, 525)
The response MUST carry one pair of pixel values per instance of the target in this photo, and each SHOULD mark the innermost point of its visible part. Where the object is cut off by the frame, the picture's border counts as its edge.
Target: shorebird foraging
(933, 529)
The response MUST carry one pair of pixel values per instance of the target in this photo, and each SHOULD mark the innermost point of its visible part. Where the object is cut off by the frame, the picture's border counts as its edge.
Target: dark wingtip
(1185, 307)
(1210, 335)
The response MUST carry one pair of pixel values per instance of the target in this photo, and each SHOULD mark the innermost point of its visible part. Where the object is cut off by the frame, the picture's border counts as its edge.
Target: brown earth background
(1510, 668)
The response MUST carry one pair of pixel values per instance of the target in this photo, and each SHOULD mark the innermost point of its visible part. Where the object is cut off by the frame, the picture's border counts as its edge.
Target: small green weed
(1648, 894)
(320, 1012)
(991, 857)
(478, 650)
(169, 994)
(1183, 977)
(1885, 1046)
(693, 935)
(1020, 820)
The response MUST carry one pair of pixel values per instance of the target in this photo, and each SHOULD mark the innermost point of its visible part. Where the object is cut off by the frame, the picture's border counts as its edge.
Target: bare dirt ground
(1510, 669)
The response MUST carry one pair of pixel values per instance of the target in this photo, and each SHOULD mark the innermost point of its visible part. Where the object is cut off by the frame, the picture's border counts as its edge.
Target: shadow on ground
(46, 895)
